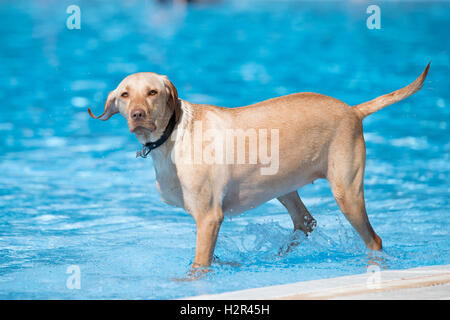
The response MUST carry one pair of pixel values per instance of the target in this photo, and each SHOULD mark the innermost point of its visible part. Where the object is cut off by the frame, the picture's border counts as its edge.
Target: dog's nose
(137, 114)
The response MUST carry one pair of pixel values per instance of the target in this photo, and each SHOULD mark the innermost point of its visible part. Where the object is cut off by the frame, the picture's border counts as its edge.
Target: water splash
(270, 242)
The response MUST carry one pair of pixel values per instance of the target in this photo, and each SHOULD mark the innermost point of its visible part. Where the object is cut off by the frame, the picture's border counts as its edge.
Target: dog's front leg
(208, 225)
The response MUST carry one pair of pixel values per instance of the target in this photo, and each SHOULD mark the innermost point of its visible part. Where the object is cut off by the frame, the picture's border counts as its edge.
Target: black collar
(149, 146)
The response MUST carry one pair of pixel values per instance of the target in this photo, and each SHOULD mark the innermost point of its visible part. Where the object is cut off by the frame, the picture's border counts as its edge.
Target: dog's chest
(170, 192)
(168, 185)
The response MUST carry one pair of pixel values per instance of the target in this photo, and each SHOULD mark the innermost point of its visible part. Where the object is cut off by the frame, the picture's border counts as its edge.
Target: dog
(314, 136)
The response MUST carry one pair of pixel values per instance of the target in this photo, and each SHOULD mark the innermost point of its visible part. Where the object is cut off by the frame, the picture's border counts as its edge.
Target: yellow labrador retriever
(281, 145)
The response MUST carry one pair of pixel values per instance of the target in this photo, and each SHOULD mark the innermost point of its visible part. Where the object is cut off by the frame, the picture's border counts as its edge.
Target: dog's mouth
(142, 128)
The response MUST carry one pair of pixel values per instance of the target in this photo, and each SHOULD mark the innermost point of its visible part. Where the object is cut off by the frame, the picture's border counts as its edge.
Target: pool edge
(378, 284)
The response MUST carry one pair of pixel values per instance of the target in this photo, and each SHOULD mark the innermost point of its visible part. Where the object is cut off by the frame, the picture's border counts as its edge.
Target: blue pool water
(72, 192)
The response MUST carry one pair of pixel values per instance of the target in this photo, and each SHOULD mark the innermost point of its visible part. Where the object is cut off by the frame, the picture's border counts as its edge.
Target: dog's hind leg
(300, 216)
(346, 178)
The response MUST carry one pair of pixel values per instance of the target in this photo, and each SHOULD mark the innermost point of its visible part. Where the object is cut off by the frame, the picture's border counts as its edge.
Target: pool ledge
(418, 283)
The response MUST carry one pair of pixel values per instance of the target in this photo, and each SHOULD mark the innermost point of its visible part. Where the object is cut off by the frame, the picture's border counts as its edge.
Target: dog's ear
(173, 98)
(110, 107)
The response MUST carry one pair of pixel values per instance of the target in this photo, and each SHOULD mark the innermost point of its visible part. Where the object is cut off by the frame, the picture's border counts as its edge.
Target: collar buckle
(144, 152)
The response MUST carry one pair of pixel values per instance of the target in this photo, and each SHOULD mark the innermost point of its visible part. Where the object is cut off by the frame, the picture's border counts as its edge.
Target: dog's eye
(124, 94)
(152, 92)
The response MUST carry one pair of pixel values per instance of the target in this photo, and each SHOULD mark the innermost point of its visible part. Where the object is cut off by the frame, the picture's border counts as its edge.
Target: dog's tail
(369, 107)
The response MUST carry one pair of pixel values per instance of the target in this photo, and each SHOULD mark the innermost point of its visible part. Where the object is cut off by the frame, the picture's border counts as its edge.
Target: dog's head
(147, 101)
